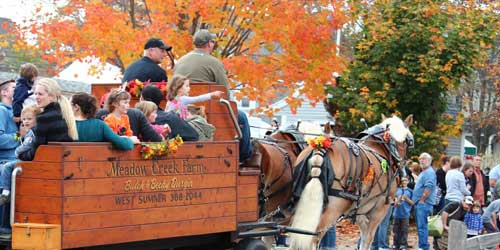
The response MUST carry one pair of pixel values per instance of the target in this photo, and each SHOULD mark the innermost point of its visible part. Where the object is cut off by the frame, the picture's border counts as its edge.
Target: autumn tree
(410, 55)
(268, 47)
(12, 56)
(480, 93)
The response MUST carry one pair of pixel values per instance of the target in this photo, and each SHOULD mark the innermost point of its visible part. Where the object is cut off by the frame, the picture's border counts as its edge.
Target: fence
(457, 238)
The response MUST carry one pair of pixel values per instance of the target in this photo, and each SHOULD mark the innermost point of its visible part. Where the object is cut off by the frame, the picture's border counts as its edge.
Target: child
(117, 104)
(198, 120)
(473, 220)
(178, 96)
(27, 137)
(23, 94)
(150, 111)
(402, 207)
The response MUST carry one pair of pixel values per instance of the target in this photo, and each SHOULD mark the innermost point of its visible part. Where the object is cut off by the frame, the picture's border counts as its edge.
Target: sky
(16, 10)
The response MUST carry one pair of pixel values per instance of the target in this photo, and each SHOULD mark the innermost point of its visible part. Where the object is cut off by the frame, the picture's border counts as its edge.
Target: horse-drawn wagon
(89, 195)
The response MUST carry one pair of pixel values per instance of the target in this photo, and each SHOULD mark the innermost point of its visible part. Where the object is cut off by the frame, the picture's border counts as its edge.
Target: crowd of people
(34, 111)
(456, 189)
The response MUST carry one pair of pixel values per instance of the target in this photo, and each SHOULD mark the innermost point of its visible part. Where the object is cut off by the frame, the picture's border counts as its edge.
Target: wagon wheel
(251, 244)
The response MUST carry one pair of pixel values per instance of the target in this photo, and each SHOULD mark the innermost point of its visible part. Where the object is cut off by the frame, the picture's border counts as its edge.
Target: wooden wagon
(91, 196)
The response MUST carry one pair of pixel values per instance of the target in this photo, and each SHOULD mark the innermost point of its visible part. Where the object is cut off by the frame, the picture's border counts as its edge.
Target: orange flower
(368, 178)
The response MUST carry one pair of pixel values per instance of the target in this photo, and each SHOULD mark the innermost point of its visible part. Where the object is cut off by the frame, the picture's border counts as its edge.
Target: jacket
(50, 126)
(21, 92)
(8, 129)
(486, 185)
(204, 129)
(177, 125)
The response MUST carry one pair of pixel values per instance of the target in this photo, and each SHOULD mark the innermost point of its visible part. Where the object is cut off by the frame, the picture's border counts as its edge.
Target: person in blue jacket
(8, 128)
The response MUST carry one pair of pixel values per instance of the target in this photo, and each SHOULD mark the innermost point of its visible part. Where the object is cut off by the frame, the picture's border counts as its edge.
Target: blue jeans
(381, 239)
(6, 173)
(329, 241)
(245, 145)
(422, 211)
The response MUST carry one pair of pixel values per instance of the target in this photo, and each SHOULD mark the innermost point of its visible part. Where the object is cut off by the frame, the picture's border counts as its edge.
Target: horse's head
(397, 135)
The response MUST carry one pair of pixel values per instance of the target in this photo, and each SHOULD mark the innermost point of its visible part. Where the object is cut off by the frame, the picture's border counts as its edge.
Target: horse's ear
(383, 117)
(327, 128)
(409, 121)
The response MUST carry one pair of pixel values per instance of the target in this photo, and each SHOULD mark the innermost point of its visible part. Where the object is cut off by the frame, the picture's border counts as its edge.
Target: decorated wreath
(135, 87)
(159, 149)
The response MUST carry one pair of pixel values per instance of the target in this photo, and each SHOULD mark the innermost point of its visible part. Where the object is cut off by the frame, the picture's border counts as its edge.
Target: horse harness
(263, 196)
(357, 151)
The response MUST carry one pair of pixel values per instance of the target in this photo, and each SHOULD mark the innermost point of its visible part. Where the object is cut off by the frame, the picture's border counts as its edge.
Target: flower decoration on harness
(320, 142)
(135, 87)
(159, 149)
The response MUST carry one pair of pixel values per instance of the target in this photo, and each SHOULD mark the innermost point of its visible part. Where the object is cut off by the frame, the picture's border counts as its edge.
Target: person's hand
(23, 130)
(134, 139)
(468, 187)
(167, 129)
(445, 227)
(216, 94)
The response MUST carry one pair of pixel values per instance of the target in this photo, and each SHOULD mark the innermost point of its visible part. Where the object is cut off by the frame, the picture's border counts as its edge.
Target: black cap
(153, 94)
(156, 43)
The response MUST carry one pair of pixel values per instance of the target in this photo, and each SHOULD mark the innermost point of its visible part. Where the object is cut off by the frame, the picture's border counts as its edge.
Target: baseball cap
(202, 37)
(156, 43)
(469, 200)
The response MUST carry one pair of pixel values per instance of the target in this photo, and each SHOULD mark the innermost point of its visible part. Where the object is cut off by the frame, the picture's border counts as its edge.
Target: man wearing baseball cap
(200, 66)
(148, 68)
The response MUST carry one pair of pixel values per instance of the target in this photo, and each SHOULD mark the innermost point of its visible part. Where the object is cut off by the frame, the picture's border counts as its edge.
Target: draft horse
(279, 152)
(362, 185)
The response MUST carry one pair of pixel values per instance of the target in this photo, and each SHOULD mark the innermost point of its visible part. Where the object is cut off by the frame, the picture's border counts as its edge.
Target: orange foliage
(268, 47)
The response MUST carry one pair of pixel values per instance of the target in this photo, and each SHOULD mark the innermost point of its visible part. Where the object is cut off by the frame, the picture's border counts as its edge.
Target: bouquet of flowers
(135, 87)
(159, 149)
(320, 142)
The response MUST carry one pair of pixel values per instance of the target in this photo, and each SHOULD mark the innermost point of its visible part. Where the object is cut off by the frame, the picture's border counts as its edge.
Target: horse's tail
(308, 212)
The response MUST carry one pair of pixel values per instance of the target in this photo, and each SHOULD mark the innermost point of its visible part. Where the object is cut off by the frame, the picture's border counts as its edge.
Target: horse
(361, 185)
(278, 154)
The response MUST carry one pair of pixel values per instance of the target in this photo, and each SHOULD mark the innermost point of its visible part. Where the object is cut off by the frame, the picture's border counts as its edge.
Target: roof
(66, 86)
(306, 112)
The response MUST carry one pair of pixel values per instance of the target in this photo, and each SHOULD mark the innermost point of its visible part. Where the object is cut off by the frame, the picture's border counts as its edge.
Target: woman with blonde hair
(56, 122)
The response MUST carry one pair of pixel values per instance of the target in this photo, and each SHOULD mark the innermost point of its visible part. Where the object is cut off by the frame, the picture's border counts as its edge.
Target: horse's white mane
(397, 128)
(311, 130)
